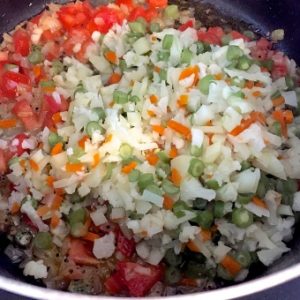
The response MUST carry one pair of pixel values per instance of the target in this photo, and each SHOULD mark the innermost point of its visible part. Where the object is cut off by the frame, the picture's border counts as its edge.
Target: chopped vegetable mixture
(142, 153)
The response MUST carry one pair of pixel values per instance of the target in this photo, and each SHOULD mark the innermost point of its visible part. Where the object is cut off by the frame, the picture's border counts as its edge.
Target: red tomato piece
(141, 12)
(80, 253)
(124, 245)
(237, 35)
(114, 284)
(208, 38)
(158, 3)
(139, 279)
(9, 83)
(128, 3)
(3, 56)
(185, 26)
(24, 112)
(217, 31)
(21, 42)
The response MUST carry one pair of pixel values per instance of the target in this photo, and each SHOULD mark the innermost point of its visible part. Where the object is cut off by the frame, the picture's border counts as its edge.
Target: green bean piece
(163, 156)
(244, 258)
(77, 216)
(226, 39)
(53, 139)
(100, 113)
(204, 219)
(109, 171)
(212, 184)
(35, 57)
(242, 218)
(145, 180)
(196, 167)
(120, 97)
(163, 75)
(155, 27)
(276, 128)
(233, 52)
(57, 66)
(200, 203)
(43, 240)
(244, 198)
(154, 189)
(122, 65)
(186, 56)
(92, 127)
(169, 187)
(78, 230)
(173, 259)
(238, 82)
(205, 83)
(137, 27)
(179, 207)
(80, 286)
(163, 55)
(245, 165)
(196, 151)
(244, 63)
(223, 273)
(134, 99)
(172, 275)
(200, 47)
(134, 175)
(289, 82)
(75, 198)
(167, 41)
(125, 151)
(268, 63)
(171, 12)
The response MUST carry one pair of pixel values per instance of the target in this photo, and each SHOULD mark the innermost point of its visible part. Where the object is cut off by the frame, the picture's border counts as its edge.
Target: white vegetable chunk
(104, 247)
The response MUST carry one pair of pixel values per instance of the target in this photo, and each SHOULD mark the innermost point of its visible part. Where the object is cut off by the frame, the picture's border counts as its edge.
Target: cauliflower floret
(37, 269)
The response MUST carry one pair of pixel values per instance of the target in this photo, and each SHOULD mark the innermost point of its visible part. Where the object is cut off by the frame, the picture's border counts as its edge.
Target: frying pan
(262, 16)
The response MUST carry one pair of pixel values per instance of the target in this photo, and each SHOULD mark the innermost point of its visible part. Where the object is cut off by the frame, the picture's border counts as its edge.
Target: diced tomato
(36, 19)
(54, 106)
(139, 279)
(104, 18)
(25, 113)
(208, 38)
(21, 42)
(237, 35)
(188, 24)
(3, 162)
(261, 50)
(158, 3)
(280, 67)
(3, 56)
(74, 15)
(217, 31)
(81, 254)
(9, 83)
(124, 245)
(20, 137)
(114, 284)
(141, 12)
(128, 3)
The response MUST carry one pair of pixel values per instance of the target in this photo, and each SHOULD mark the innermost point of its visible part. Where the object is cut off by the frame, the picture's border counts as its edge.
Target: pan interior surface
(263, 16)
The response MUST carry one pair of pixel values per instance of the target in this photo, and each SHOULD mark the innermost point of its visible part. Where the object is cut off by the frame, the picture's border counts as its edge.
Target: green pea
(43, 240)
(173, 259)
(172, 275)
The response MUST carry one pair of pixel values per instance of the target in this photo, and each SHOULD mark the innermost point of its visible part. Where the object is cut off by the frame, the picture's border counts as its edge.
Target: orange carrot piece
(108, 138)
(50, 180)
(257, 94)
(278, 101)
(48, 89)
(74, 167)
(219, 76)
(185, 281)
(159, 129)
(278, 115)
(153, 99)
(151, 113)
(8, 123)
(231, 265)
(190, 71)
(114, 78)
(173, 152)
(288, 116)
(259, 84)
(175, 177)
(180, 128)
(152, 158)
(156, 69)
(183, 101)
(168, 202)
(111, 57)
(96, 159)
(43, 210)
(193, 246)
(33, 165)
(249, 84)
(128, 168)
(81, 142)
(15, 208)
(56, 118)
(57, 149)
(90, 236)
(56, 202)
(259, 202)
(37, 71)
(205, 235)
(54, 222)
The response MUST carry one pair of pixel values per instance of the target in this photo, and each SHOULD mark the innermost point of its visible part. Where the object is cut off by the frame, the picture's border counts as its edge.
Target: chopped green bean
(244, 198)
(125, 151)
(43, 240)
(200, 47)
(212, 184)
(155, 27)
(100, 113)
(219, 211)
(244, 258)
(134, 99)
(244, 63)
(242, 218)
(173, 259)
(92, 127)
(179, 207)
(199, 203)
(36, 56)
(233, 52)
(169, 187)
(196, 167)
(53, 139)
(134, 175)
(186, 56)
(172, 275)
(163, 55)
(120, 97)
(289, 82)
(137, 27)
(226, 39)
(204, 219)
(167, 41)
(77, 216)
(145, 180)
(196, 151)
(245, 165)
(205, 83)
(171, 12)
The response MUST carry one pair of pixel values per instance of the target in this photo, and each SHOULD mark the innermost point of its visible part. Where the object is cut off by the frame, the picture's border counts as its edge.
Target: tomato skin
(80, 254)
(186, 25)
(139, 279)
(141, 12)
(237, 35)
(128, 3)
(124, 245)
(21, 42)
(158, 3)
(114, 284)
(24, 112)
(9, 83)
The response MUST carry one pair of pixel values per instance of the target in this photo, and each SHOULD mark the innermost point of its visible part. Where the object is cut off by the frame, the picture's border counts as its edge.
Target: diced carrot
(50, 180)
(114, 78)
(90, 236)
(257, 94)
(151, 113)
(33, 165)
(278, 101)
(192, 70)
(205, 235)
(108, 138)
(168, 202)
(15, 208)
(128, 168)
(152, 158)
(194, 246)
(219, 76)
(159, 129)
(74, 167)
(210, 137)
(185, 281)
(54, 222)
(180, 128)
(288, 116)
(60, 191)
(57, 149)
(43, 210)
(37, 71)
(8, 123)
(183, 101)
(156, 69)
(111, 57)
(56, 118)
(249, 84)
(264, 69)
(173, 152)
(81, 142)
(23, 164)
(57, 202)
(259, 84)
(175, 177)
(278, 115)
(259, 202)
(153, 99)
(96, 159)
(231, 265)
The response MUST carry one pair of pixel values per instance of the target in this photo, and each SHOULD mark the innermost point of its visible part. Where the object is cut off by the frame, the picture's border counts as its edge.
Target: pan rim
(231, 292)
